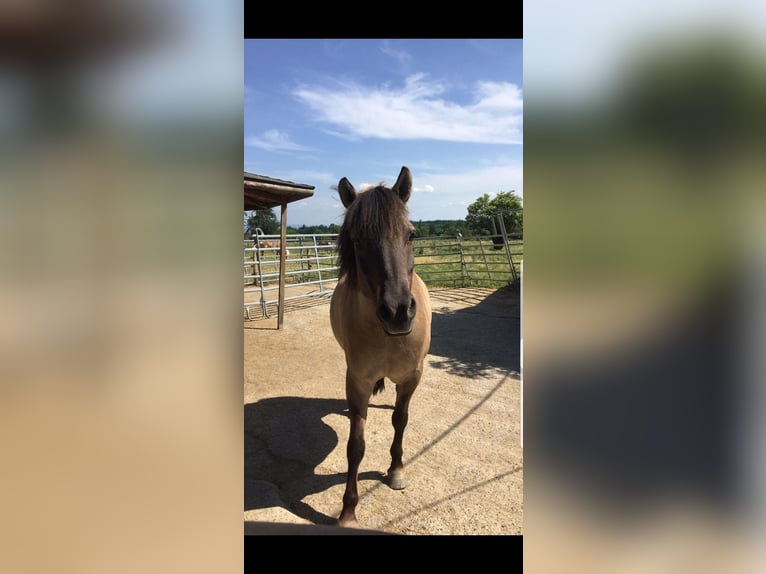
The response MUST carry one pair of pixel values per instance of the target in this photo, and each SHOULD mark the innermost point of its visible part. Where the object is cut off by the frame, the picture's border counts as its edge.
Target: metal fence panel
(311, 266)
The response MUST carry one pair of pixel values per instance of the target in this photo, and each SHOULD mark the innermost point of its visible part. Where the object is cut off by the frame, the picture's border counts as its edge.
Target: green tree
(451, 228)
(482, 211)
(265, 219)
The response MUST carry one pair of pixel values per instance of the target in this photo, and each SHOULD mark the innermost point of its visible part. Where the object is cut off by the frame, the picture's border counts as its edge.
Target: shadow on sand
(285, 440)
(476, 341)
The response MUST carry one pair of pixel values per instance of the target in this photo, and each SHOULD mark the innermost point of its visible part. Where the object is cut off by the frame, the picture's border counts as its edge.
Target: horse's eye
(413, 235)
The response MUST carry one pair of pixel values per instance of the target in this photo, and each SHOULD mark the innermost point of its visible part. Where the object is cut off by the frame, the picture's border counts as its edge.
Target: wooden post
(282, 251)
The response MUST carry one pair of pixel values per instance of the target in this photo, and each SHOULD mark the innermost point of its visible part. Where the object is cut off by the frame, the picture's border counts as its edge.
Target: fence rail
(311, 266)
(468, 261)
(310, 269)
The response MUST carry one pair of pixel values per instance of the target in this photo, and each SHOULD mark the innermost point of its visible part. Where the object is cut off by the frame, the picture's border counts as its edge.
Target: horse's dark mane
(375, 213)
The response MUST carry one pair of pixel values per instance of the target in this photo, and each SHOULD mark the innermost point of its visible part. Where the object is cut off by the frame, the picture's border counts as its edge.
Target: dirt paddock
(462, 451)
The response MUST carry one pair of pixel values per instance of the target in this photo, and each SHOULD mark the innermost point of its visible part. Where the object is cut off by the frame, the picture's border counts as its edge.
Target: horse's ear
(403, 185)
(346, 191)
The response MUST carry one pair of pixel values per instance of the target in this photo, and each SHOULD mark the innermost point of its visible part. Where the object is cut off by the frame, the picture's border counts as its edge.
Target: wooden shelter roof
(263, 192)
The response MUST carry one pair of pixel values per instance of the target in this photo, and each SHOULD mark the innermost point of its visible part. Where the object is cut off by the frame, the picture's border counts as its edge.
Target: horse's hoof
(396, 480)
(347, 521)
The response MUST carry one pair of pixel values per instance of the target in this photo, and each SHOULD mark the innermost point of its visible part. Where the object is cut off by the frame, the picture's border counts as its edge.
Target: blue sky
(450, 110)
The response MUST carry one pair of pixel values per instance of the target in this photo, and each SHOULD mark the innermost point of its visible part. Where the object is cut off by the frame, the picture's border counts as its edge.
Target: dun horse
(380, 315)
(271, 246)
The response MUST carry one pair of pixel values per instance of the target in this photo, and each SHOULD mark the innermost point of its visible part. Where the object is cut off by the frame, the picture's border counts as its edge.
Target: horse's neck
(364, 303)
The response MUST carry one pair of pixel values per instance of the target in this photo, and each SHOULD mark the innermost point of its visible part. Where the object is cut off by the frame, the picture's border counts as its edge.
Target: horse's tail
(379, 386)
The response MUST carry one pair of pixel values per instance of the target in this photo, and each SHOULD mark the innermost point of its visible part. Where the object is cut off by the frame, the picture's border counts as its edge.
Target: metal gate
(310, 270)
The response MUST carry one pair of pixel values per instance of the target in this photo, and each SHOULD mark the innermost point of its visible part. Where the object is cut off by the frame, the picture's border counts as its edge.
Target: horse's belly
(372, 366)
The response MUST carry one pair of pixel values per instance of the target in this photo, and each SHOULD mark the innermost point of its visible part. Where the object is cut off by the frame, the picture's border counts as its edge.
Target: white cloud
(418, 110)
(454, 192)
(474, 183)
(424, 189)
(498, 96)
(401, 56)
(274, 140)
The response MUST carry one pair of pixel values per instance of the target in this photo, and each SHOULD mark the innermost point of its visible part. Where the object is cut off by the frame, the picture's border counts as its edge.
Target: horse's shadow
(285, 440)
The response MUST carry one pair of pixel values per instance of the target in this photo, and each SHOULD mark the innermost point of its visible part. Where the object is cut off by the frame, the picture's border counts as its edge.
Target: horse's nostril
(385, 313)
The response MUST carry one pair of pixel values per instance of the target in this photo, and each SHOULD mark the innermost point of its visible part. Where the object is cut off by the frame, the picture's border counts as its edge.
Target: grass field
(469, 262)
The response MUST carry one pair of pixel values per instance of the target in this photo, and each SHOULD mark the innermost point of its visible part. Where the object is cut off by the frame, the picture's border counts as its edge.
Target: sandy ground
(462, 452)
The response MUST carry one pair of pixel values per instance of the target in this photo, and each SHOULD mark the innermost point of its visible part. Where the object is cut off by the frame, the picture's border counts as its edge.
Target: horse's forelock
(375, 214)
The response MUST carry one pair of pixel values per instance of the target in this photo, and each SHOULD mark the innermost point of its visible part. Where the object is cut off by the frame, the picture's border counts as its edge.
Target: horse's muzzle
(397, 320)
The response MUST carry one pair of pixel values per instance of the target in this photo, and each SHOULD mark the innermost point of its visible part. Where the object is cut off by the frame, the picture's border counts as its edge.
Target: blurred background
(645, 213)
(120, 362)
(645, 269)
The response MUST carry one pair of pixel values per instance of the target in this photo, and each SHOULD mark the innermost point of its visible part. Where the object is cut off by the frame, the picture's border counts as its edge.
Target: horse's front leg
(399, 419)
(358, 398)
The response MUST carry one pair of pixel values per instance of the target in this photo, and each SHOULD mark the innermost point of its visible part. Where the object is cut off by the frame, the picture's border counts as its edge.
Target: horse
(273, 245)
(380, 314)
